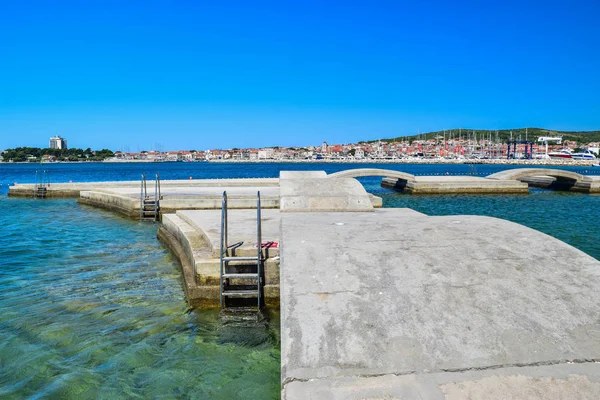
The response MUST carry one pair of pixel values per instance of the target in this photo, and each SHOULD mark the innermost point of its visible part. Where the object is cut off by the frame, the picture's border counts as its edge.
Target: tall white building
(57, 142)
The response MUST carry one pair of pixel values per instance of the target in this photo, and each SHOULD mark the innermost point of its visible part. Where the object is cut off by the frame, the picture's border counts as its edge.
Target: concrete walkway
(394, 304)
(242, 227)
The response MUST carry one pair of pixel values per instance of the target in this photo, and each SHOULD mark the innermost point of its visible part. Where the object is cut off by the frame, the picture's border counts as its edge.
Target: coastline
(556, 162)
(574, 163)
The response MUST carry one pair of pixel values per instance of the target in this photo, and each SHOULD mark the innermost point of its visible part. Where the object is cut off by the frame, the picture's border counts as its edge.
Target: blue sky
(197, 74)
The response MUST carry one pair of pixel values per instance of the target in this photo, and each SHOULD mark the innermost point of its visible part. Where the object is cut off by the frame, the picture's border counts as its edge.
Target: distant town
(456, 144)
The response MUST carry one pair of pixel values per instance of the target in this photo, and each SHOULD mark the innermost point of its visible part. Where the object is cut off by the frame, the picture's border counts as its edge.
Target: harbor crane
(546, 139)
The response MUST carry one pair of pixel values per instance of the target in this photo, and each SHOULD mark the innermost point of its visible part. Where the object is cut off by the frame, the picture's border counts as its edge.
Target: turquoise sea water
(91, 304)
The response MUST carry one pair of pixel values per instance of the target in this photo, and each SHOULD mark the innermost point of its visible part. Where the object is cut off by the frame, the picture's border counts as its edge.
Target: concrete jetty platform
(127, 200)
(508, 182)
(206, 194)
(396, 304)
(74, 189)
(455, 185)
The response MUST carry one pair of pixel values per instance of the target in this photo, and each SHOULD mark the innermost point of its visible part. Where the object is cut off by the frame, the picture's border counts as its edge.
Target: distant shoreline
(575, 163)
(560, 162)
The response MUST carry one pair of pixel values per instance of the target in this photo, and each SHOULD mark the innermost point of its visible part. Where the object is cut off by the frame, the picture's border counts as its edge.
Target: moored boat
(565, 153)
(584, 155)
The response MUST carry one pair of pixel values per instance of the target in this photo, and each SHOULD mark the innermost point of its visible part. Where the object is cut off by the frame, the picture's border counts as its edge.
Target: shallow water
(91, 306)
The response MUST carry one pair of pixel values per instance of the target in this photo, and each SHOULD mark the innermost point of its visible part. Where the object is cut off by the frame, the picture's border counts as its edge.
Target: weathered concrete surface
(242, 227)
(119, 204)
(126, 200)
(454, 185)
(594, 184)
(590, 185)
(552, 183)
(210, 198)
(546, 382)
(302, 192)
(519, 173)
(358, 172)
(302, 174)
(395, 293)
(556, 179)
(74, 189)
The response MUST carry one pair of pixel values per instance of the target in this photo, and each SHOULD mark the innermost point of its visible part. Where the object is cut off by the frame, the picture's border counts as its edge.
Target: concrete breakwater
(509, 181)
(395, 303)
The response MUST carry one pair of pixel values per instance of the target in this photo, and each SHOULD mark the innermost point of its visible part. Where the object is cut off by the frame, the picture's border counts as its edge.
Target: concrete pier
(395, 304)
(455, 185)
(511, 181)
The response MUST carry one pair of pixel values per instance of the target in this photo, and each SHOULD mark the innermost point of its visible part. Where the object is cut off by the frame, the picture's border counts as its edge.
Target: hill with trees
(581, 137)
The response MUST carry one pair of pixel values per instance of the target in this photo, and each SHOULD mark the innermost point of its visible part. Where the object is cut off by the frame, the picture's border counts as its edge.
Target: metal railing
(42, 182)
(227, 251)
(144, 198)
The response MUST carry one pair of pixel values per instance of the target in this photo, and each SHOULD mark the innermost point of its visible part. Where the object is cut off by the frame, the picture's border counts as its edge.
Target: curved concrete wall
(359, 172)
(519, 173)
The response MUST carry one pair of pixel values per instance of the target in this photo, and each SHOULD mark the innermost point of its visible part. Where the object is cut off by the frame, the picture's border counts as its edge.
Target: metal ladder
(42, 182)
(150, 205)
(241, 268)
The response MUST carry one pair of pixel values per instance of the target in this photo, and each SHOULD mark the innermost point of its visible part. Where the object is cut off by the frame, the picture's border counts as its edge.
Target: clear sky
(199, 74)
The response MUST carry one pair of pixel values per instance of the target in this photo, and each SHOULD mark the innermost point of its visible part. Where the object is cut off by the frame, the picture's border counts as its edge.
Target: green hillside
(582, 137)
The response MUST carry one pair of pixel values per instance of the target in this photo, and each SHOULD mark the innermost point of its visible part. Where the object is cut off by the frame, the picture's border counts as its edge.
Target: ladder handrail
(223, 245)
(145, 199)
(225, 248)
(42, 179)
(143, 181)
(157, 192)
(156, 196)
(35, 187)
(258, 245)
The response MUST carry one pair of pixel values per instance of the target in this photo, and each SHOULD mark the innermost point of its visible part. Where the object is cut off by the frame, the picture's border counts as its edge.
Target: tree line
(35, 154)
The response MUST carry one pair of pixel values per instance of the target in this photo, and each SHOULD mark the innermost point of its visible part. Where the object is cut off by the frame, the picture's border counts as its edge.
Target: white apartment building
(58, 142)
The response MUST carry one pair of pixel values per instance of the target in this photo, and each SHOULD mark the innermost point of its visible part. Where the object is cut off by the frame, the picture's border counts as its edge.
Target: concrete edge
(168, 233)
(122, 205)
(200, 232)
(435, 384)
(20, 191)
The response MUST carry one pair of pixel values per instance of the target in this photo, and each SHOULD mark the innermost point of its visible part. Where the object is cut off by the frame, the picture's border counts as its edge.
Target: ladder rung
(240, 258)
(241, 275)
(241, 293)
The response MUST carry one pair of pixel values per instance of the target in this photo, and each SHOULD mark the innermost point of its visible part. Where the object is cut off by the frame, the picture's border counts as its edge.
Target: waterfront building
(58, 142)
(266, 154)
(174, 156)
